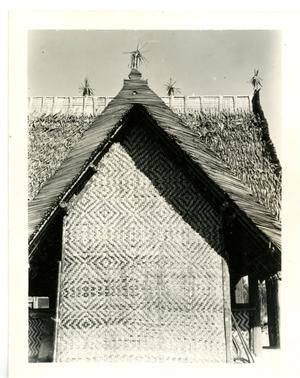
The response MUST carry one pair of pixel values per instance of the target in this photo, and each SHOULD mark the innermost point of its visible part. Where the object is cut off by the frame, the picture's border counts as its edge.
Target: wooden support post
(57, 315)
(59, 289)
(273, 308)
(255, 321)
(227, 310)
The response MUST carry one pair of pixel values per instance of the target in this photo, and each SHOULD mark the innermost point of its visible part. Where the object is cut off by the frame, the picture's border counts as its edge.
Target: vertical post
(200, 104)
(249, 103)
(42, 104)
(53, 104)
(220, 103)
(94, 110)
(273, 308)
(69, 104)
(234, 103)
(227, 310)
(60, 278)
(255, 321)
(83, 105)
(184, 104)
(58, 292)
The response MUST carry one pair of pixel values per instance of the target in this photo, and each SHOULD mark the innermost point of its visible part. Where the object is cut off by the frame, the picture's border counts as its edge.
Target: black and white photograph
(154, 195)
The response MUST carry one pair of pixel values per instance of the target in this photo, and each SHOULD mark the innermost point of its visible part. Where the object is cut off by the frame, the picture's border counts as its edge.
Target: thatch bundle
(51, 137)
(236, 138)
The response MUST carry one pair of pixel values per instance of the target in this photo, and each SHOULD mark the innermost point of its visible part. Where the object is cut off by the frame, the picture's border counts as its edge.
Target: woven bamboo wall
(142, 273)
(242, 319)
(96, 104)
(40, 337)
(35, 333)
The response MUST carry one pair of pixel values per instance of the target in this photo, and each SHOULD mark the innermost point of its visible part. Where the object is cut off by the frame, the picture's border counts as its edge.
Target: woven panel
(242, 103)
(35, 332)
(242, 319)
(48, 102)
(227, 103)
(35, 105)
(193, 104)
(88, 105)
(77, 105)
(141, 275)
(178, 104)
(210, 103)
(61, 105)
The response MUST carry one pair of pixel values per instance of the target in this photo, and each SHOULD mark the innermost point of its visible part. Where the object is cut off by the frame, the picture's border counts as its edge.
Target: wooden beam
(255, 321)
(273, 309)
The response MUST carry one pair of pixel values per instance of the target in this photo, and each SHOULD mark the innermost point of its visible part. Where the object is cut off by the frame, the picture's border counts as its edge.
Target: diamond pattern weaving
(142, 275)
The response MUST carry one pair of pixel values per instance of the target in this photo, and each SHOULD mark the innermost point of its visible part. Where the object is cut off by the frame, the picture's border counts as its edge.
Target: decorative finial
(86, 88)
(171, 89)
(256, 81)
(136, 59)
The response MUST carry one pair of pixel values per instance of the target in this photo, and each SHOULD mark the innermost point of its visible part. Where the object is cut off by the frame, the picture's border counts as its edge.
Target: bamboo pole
(234, 103)
(59, 290)
(220, 103)
(255, 321)
(227, 310)
(83, 105)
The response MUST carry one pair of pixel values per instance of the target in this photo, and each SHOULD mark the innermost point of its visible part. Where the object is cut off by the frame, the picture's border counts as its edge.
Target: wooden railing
(94, 105)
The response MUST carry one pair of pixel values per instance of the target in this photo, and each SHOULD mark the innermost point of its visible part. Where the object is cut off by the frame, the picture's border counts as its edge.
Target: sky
(201, 62)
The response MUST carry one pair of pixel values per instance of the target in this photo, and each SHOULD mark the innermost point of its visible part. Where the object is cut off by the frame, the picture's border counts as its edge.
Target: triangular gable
(101, 133)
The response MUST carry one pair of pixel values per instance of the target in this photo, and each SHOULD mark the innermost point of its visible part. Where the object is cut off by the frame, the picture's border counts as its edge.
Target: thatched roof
(101, 133)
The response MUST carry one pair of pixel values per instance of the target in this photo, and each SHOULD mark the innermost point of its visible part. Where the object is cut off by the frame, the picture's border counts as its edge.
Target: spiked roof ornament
(136, 57)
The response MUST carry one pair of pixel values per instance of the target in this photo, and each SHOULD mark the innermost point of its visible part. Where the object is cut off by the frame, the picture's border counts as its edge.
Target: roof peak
(135, 74)
(135, 80)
